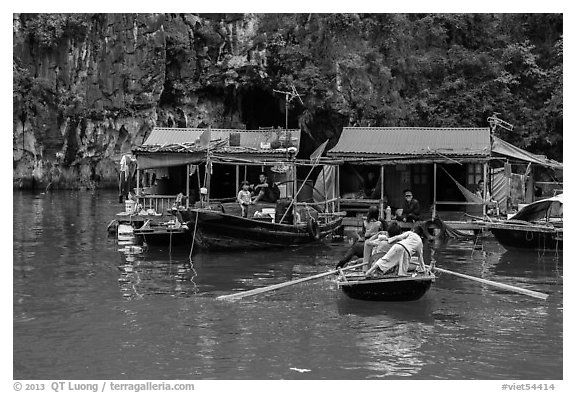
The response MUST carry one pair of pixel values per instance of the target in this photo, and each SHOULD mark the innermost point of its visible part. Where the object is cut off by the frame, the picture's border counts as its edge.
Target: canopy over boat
(542, 209)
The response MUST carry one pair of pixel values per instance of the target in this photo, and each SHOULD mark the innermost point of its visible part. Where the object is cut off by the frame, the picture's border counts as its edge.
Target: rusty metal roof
(247, 141)
(412, 141)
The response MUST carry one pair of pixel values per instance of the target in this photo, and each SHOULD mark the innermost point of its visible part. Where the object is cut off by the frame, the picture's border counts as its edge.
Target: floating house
(442, 167)
(208, 165)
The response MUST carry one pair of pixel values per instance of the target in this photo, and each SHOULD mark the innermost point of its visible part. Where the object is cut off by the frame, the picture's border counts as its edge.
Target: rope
(449, 231)
(193, 239)
(170, 247)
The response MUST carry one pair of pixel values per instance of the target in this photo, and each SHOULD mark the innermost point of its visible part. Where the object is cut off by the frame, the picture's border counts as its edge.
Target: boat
(214, 229)
(537, 226)
(390, 287)
(208, 165)
(171, 233)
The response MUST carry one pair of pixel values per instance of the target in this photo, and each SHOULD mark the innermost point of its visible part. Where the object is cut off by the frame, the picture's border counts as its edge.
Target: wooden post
(187, 185)
(325, 193)
(208, 176)
(199, 184)
(382, 207)
(237, 178)
(137, 182)
(338, 187)
(484, 189)
(434, 197)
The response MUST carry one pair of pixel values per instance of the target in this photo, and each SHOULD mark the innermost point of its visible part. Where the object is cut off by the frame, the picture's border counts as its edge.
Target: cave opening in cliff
(263, 108)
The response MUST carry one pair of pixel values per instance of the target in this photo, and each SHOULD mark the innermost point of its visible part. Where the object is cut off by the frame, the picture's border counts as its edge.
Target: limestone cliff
(87, 88)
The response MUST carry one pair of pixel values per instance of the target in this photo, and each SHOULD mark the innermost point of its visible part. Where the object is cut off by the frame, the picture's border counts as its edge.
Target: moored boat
(163, 235)
(538, 226)
(214, 229)
(386, 288)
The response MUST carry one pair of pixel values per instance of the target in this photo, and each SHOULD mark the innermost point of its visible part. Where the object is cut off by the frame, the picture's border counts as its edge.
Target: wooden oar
(284, 284)
(507, 287)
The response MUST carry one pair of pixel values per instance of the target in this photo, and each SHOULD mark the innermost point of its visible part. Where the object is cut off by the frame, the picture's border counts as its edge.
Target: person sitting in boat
(377, 246)
(410, 208)
(370, 226)
(244, 198)
(404, 247)
(266, 190)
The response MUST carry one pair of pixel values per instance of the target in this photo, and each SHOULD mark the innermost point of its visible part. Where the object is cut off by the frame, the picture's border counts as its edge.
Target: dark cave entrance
(264, 108)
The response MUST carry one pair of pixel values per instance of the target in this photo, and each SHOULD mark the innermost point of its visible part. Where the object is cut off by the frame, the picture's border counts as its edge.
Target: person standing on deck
(244, 198)
(410, 208)
(405, 246)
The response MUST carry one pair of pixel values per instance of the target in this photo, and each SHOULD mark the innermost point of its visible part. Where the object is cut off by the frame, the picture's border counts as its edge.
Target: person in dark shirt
(410, 208)
(370, 227)
(266, 190)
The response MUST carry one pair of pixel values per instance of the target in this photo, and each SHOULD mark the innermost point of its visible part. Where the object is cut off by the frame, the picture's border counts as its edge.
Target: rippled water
(89, 307)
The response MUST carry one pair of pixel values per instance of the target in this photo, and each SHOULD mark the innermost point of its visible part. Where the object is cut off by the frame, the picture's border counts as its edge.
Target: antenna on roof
(494, 122)
(289, 96)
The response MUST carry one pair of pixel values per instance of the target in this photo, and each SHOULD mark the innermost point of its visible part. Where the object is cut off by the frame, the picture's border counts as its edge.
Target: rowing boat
(392, 288)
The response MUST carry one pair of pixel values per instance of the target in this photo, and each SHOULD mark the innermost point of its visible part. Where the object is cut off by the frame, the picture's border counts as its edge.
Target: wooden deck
(353, 224)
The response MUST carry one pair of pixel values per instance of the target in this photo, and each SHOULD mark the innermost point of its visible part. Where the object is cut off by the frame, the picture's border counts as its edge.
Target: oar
(284, 284)
(507, 287)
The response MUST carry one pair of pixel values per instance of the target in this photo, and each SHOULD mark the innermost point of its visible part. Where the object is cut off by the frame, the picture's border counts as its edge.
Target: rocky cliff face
(87, 88)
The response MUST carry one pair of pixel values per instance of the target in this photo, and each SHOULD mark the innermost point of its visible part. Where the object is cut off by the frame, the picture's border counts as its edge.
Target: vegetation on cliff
(87, 87)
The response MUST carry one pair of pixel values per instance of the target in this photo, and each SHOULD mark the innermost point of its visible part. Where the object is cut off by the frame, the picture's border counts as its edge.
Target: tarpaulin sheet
(504, 148)
(328, 173)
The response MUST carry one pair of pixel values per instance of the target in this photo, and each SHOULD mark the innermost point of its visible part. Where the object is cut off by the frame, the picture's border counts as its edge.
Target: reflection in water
(150, 314)
(148, 272)
(391, 333)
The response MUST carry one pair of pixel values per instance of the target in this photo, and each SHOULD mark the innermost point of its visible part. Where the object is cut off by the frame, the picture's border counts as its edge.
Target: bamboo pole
(382, 207)
(338, 187)
(434, 203)
(199, 185)
(297, 192)
(485, 187)
(237, 179)
(325, 192)
(187, 186)
(284, 284)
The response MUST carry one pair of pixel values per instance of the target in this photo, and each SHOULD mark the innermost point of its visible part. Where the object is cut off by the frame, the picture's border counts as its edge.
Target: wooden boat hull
(217, 230)
(392, 289)
(518, 237)
(537, 226)
(163, 236)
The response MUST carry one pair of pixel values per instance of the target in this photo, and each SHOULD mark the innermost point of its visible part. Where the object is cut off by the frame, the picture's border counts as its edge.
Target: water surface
(89, 307)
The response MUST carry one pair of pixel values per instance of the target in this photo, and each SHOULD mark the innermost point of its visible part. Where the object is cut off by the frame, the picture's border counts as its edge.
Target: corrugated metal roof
(412, 141)
(254, 141)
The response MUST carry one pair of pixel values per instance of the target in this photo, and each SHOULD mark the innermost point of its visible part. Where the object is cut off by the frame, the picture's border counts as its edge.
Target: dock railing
(160, 203)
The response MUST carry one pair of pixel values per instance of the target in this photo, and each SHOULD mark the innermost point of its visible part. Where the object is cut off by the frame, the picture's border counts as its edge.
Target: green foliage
(48, 29)
(450, 70)
(425, 70)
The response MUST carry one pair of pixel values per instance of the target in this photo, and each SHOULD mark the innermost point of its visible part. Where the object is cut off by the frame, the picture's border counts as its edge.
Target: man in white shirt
(405, 246)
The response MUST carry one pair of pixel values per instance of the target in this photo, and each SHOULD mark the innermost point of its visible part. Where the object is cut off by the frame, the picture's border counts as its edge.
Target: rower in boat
(404, 246)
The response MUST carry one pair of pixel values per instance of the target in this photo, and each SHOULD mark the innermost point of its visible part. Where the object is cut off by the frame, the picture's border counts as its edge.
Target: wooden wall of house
(417, 177)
